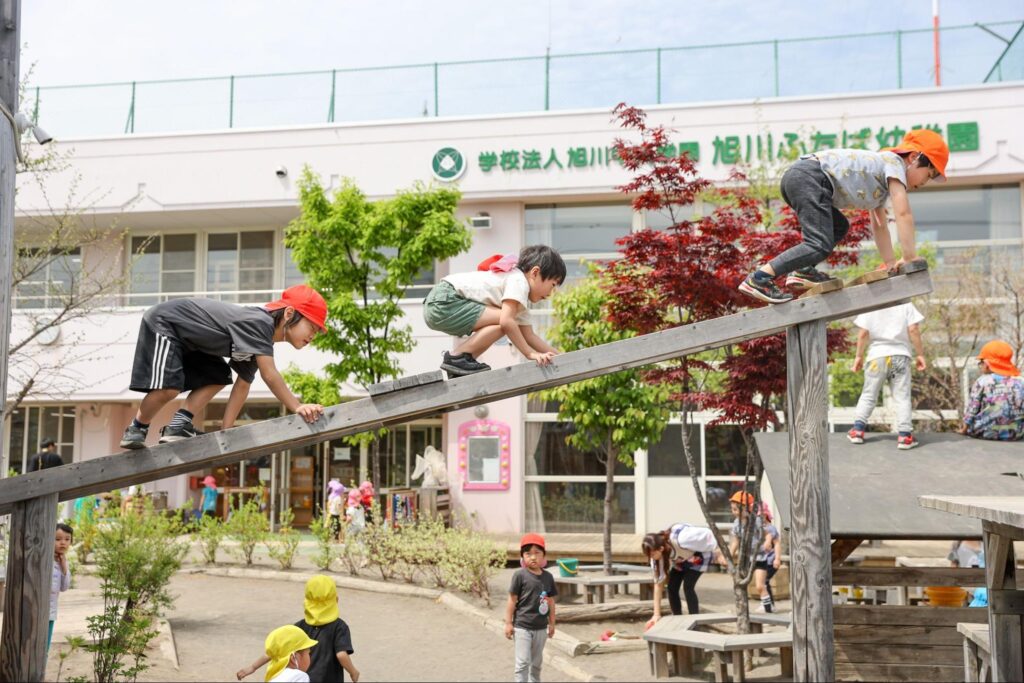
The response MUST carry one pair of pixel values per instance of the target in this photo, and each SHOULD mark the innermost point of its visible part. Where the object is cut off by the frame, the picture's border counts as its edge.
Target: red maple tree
(689, 272)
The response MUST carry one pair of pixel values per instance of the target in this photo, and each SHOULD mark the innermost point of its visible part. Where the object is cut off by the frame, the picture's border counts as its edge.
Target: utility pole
(10, 52)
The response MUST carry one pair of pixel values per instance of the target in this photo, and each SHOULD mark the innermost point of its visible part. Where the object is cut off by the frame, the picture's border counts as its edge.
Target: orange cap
(928, 143)
(742, 498)
(305, 300)
(998, 355)
(531, 539)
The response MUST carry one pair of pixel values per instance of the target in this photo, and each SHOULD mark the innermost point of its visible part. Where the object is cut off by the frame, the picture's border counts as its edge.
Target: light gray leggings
(529, 653)
(896, 371)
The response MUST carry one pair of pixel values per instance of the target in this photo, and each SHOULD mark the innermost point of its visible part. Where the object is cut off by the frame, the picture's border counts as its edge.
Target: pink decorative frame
(490, 428)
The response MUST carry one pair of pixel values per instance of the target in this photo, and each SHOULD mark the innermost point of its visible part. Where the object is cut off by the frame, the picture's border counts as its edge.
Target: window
(968, 215)
(292, 274)
(164, 267)
(47, 277)
(399, 449)
(552, 456)
(665, 458)
(579, 232)
(30, 425)
(725, 452)
(578, 507)
(240, 262)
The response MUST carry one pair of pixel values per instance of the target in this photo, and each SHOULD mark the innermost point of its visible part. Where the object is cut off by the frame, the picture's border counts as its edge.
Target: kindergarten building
(209, 210)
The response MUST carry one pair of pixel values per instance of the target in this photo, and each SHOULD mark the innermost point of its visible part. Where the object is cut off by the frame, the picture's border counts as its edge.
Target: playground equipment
(32, 499)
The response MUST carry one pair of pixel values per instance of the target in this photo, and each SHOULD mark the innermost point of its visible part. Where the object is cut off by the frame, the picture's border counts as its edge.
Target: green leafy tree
(613, 415)
(363, 255)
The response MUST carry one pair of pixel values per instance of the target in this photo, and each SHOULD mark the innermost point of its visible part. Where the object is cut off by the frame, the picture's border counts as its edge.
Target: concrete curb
(341, 581)
(166, 643)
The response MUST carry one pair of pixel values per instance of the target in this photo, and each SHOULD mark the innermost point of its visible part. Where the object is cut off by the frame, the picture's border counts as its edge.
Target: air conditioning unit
(481, 221)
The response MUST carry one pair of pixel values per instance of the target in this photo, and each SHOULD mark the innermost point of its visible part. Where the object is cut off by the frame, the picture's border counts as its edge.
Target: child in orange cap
(182, 346)
(742, 506)
(818, 185)
(995, 410)
(530, 611)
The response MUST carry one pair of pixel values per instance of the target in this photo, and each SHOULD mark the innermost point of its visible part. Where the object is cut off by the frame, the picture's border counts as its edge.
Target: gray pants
(529, 653)
(896, 371)
(807, 189)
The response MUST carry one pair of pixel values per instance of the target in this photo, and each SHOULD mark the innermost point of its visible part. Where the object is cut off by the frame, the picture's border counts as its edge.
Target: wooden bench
(977, 653)
(618, 569)
(592, 584)
(679, 635)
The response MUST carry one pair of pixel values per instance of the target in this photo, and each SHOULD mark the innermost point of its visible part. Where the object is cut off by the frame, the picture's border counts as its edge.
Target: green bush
(284, 545)
(433, 544)
(211, 532)
(470, 560)
(325, 545)
(352, 552)
(381, 544)
(136, 555)
(248, 526)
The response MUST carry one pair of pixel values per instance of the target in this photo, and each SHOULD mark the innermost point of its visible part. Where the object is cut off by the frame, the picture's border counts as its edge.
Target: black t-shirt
(217, 328)
(323, 659)
(527, 587)
(44, 460)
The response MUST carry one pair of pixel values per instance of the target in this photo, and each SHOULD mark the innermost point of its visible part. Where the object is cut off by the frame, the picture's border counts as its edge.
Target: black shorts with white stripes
(161, 362)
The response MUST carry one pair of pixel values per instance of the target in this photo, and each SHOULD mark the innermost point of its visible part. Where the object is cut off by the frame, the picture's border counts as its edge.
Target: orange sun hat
(742, 498)
(998, 355)
(306, 301)
(928, 143)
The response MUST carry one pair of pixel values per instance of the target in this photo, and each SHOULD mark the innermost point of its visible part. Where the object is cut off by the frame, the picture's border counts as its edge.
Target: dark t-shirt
(527, 587)
(219, 329)
(323, 659)
(44, 460)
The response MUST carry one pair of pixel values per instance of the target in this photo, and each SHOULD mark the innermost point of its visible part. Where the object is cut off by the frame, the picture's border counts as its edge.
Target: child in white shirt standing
(61, 575)
(895, 336)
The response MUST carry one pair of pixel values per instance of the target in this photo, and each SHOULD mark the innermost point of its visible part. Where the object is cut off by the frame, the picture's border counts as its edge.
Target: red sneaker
(905, 443)
(855, 436)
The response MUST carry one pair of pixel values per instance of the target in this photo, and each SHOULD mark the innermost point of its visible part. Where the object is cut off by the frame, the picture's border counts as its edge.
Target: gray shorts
(445, 310)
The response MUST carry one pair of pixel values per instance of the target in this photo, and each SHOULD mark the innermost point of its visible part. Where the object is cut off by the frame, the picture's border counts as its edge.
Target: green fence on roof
(822, 65)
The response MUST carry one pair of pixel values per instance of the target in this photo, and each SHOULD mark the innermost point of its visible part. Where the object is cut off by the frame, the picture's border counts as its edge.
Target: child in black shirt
(530, 612)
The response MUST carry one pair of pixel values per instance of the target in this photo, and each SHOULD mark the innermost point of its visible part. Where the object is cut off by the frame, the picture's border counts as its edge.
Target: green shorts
(445, 310)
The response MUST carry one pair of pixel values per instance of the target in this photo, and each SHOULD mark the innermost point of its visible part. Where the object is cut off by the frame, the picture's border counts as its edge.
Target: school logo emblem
(448, 164)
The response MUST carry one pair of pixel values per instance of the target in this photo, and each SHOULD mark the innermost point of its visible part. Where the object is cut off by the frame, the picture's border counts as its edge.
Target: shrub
(470, 560)
(352, 552)
(248, 526)
(432, 543)
(210, 532)
(381, 545)
(284, 545)
(136, 555)
(324, 536)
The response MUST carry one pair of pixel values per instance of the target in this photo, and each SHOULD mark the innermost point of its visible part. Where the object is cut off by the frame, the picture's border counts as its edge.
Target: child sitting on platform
(818, 185)
(995, 410)
(182, 346)
(492, 302)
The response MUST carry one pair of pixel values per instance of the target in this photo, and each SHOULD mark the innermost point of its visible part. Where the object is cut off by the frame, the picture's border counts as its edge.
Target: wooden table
(1002, 523)
(592, 584)
(977, 656)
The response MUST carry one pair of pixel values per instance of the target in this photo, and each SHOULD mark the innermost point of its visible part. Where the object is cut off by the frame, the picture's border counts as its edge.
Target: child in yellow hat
(288, 653)
(321, 622)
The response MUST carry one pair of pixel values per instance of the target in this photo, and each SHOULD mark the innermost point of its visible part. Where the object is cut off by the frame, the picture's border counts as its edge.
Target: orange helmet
(743, 498)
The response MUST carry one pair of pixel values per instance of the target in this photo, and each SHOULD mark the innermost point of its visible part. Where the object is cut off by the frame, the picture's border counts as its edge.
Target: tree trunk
(375, 463)
(609, 489)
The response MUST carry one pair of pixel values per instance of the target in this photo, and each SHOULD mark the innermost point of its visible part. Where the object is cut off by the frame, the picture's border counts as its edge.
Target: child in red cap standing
(818, 185)
(183, 344)
(530, 612)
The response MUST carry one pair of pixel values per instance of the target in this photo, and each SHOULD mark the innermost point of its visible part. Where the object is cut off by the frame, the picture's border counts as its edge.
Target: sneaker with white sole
(855, 435)
(462, 364)
(764, 289)
(805, 278)
(134, 437)
(170, 434)
(905, 443)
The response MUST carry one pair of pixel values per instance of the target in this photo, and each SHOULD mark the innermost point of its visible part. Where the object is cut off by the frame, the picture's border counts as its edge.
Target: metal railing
(694, 73)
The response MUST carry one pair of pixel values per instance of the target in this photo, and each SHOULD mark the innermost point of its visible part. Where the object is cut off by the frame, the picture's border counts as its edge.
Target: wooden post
(27, 600)
(1006, 604)
(811, 569)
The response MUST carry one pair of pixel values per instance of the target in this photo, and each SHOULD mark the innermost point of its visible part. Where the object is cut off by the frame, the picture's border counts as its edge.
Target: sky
(73, 42)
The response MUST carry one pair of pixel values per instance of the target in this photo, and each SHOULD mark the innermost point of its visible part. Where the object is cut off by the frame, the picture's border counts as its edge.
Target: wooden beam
(969, 577)
(1006, 630)
(810, 528)
(842, 547)
(405, 383)
(252, 441)
(27, 594)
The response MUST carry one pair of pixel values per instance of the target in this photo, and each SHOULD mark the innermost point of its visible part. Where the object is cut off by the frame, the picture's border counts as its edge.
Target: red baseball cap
(306, 301)
(531, 539)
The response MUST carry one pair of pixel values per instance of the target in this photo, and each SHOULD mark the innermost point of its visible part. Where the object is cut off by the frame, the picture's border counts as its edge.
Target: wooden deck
(586, 548)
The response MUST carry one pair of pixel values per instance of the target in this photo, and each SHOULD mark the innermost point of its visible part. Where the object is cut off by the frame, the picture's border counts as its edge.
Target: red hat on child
(306, 301)
(531, 539)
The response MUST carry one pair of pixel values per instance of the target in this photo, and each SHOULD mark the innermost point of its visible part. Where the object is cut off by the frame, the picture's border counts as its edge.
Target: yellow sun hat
(281, 644)
(321, 603)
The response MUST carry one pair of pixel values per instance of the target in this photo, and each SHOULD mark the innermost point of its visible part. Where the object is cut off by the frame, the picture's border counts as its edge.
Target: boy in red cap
(818, 185)
(182, 346)
(995, 410)
(530, 611)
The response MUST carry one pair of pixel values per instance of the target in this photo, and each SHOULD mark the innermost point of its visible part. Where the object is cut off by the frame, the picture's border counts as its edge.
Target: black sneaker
(462, 364)
(805, 278)
(170, 434)
(134, 437)
(764, 289)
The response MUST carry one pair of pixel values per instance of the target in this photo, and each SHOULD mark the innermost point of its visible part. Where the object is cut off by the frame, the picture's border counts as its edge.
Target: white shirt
(687, 540)
(887, 329)
(493, 288)
(290, 676)
(59, 582)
